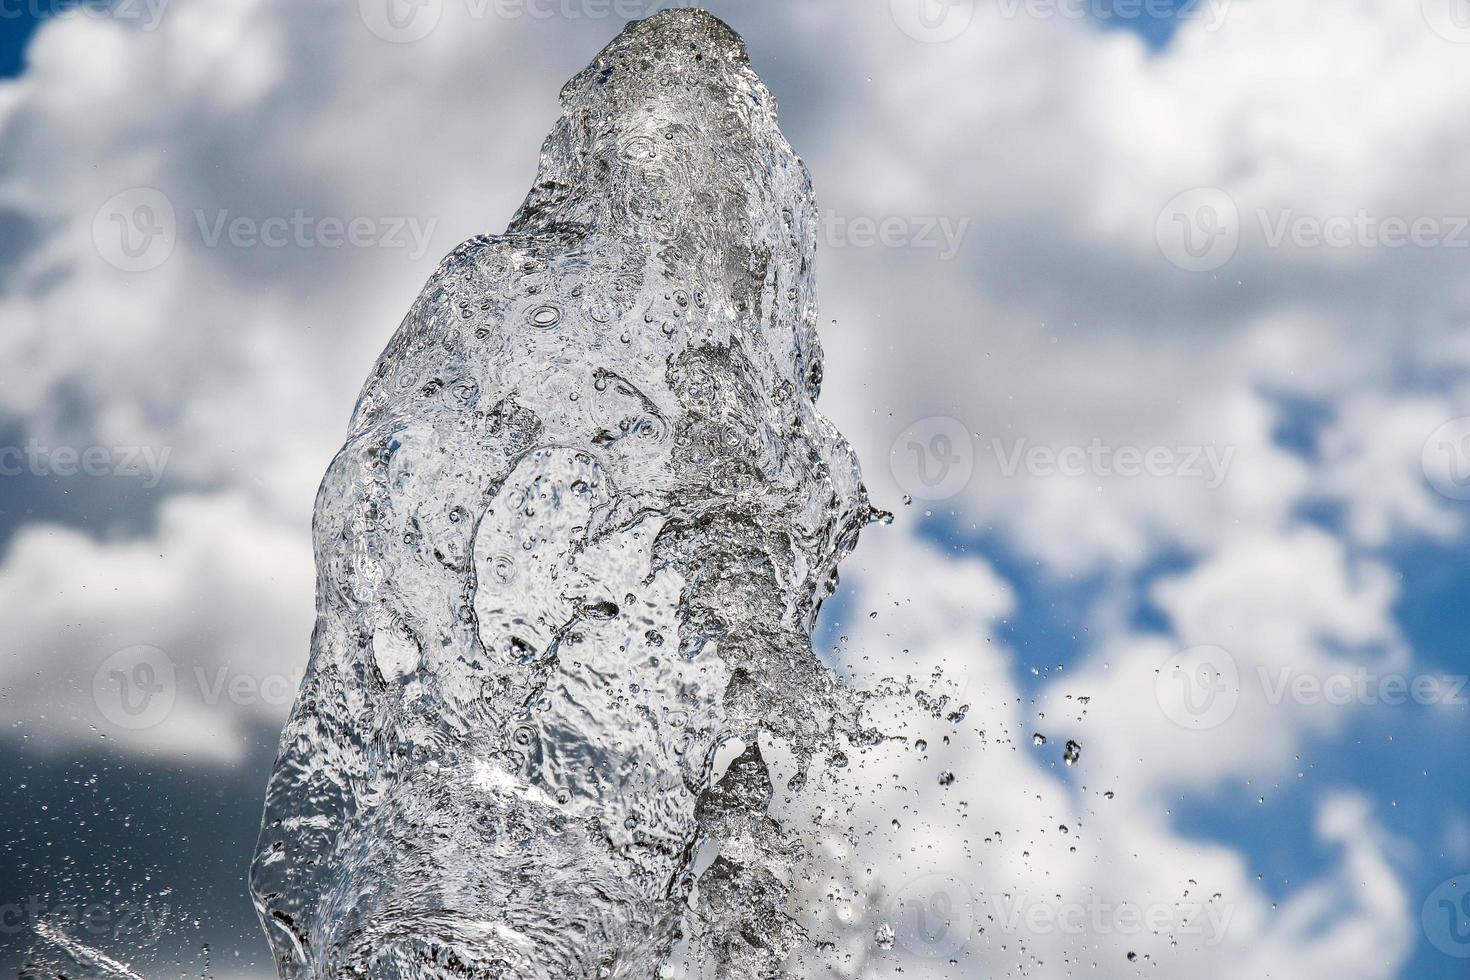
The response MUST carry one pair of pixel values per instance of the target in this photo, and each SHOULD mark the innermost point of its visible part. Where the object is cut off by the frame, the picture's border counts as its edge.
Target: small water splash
(77, 958)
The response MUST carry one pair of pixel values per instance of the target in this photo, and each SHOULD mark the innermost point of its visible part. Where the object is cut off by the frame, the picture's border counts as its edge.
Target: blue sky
(1391, 749)
(14, 33)
(1066, 316)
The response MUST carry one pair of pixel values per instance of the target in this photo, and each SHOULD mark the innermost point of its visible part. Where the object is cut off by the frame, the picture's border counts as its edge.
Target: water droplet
(545, 316)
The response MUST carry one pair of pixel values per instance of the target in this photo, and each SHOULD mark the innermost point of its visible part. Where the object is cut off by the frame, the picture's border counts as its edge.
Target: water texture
(569, 561)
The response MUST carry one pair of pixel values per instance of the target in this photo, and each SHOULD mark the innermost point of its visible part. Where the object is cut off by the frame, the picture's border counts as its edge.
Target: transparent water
(569, 561)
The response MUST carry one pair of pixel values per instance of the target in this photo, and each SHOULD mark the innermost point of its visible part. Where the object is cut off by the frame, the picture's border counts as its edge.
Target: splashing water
(65, 956)
(569, 561)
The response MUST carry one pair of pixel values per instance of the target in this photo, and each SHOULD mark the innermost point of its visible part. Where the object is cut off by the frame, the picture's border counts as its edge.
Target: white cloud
(1374, 456)
(216, 591)
(1282, 610)
(1020, 862)
(1062, 322)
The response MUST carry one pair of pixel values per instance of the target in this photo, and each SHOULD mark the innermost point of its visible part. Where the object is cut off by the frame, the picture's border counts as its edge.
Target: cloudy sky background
(1060, 241)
